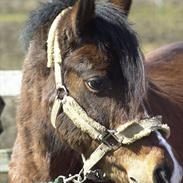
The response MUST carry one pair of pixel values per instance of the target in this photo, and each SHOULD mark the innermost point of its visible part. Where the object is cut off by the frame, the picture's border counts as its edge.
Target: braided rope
(53, 51)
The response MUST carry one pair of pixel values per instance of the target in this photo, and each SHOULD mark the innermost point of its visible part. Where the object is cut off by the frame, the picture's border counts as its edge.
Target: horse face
(99, 92)
(103, 71)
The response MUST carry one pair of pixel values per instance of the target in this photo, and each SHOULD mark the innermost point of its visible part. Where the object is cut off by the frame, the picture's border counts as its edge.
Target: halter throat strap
(109, 140)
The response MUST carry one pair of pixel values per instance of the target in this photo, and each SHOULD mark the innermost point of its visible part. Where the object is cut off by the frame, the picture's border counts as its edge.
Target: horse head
(103, 71)
(98, 76)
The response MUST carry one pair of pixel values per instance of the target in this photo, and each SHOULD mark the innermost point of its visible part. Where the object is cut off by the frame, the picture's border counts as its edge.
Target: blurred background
(157, 22)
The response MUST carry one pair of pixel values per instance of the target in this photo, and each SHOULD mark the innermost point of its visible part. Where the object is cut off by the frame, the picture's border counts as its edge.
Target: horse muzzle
(160, 174)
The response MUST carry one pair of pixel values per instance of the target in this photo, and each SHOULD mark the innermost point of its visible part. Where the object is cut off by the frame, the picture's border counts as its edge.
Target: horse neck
(158, 102)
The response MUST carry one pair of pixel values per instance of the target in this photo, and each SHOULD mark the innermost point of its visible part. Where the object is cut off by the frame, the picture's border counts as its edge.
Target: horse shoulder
(164, 68)
(165, 91)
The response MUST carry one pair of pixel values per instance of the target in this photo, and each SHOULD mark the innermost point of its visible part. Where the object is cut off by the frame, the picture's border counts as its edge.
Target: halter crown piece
(125, 134)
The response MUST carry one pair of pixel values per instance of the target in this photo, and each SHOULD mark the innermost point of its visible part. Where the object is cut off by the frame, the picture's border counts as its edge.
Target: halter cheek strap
(109, 140)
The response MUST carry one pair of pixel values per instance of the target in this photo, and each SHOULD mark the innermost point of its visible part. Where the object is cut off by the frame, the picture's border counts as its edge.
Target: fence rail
(10, 82)
(5, 155)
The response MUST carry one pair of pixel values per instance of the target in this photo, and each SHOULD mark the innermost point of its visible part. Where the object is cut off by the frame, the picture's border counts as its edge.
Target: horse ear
(83, 11)
(125, 5)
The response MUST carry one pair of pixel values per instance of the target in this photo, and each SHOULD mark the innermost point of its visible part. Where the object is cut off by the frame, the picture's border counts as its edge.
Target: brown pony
(103, 70)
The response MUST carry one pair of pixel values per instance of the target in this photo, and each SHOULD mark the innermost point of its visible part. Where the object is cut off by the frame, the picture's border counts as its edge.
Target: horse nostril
(162, 174)
(132, 180)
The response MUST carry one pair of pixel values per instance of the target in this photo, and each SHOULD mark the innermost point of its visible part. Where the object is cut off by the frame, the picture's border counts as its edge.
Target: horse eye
(95, 84)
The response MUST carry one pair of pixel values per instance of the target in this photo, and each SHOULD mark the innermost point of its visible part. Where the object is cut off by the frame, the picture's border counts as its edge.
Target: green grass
(157, 26)
(15, 17)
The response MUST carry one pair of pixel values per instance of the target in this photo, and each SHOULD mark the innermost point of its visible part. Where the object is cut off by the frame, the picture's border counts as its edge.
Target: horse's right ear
(83, 11)
(125, 5)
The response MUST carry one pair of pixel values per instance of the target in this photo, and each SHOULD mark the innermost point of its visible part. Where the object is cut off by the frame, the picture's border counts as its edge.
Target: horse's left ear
(82, 13)
(125, 5)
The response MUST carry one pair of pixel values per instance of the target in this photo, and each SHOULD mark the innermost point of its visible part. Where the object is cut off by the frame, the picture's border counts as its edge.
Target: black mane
(110, 28)
(41, 16)
(113, 29)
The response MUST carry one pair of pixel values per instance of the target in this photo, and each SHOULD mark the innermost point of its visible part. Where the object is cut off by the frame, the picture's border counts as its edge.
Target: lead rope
(77, 178)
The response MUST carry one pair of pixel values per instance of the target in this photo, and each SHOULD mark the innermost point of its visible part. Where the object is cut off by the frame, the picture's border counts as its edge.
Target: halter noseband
(110, 140)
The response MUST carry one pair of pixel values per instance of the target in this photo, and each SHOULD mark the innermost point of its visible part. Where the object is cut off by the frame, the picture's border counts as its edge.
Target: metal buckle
(77, 178)
(110, 139)
(61, 91)
(97, 176)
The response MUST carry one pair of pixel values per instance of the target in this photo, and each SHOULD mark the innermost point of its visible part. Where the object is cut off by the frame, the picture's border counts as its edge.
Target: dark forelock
(113, 29)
